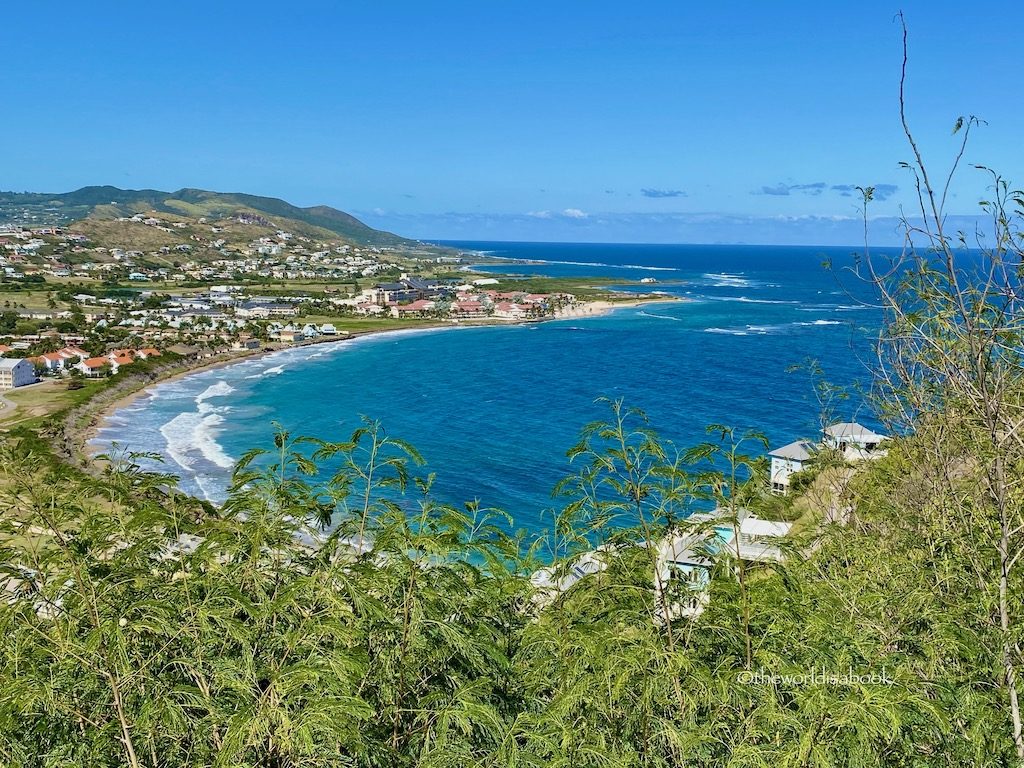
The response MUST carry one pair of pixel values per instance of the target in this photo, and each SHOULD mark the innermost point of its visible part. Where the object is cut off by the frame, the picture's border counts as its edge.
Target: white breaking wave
(220, 389)
(747, 300)
(277, 370)
(528, 262)
(763, 330)
(661, 317)
(727, 280)
(730, 331)
(192, 432)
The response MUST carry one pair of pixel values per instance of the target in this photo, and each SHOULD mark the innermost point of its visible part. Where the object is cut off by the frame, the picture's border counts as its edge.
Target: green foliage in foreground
(140, 627)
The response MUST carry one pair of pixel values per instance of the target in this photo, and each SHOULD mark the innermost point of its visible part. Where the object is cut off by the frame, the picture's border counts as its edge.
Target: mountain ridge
(107, 201)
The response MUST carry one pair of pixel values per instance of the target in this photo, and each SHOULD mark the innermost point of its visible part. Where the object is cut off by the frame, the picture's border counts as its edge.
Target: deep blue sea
(494, 410)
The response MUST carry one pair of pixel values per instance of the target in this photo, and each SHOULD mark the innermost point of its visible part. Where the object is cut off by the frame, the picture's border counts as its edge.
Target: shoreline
(84, 436)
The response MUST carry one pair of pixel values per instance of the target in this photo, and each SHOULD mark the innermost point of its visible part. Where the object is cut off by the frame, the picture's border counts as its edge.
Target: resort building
(94, 367)
(16, 372)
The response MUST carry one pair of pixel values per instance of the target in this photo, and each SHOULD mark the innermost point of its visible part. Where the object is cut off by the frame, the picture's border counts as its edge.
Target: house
(146, 353)
(787, 461)
(329, 329)
(94, 367)
(16, 372)
(508, 310)
(119, 360)
(52, 361)
(685, 559)
(853, 440)
(4, 349)
(70, 353)
(290, 335)
(418, 307)
(468, 308)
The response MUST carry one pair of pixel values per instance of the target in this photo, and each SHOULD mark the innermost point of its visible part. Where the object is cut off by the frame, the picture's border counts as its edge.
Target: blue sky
(591, 121)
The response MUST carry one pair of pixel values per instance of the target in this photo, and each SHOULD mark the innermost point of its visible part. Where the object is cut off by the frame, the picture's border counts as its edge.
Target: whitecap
(277, 370)
(730, 331)
(660, 317)
(528, 262)
(194, 431)
(220, 389)
(747, 300)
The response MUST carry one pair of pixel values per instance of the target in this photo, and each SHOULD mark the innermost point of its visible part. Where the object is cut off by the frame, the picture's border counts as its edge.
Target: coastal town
(95, 308)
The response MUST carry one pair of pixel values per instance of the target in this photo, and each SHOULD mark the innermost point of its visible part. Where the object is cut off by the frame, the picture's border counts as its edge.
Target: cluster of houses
(94, 367)
(418, 297)
(684, 559)
(58, 252)
(21, 371)
(854, 441)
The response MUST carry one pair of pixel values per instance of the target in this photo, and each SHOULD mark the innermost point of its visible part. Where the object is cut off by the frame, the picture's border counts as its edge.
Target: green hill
(106, 202)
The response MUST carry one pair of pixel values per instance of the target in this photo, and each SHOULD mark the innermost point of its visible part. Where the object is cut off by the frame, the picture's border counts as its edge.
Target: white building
(16, 372)
(788, 460)
(685, 559)
(853, 440)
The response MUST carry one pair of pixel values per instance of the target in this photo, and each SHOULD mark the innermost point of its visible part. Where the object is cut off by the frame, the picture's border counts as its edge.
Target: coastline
(82, 437)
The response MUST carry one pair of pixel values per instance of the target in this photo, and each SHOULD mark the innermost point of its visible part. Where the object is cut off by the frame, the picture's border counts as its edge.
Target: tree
(950, 368)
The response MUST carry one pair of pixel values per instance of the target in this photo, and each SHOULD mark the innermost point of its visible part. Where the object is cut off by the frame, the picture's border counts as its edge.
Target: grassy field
(366, 324)
(35, 403)
(34, 300)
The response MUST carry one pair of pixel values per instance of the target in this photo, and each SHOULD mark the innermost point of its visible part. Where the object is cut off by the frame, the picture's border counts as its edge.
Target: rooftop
(801, 450)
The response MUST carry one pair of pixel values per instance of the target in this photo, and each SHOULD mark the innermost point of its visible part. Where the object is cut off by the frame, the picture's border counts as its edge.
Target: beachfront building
(787, 461)
(16, 372)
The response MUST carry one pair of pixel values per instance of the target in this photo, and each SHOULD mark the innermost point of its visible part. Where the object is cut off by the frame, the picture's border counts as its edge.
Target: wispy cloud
(568, 213)
(885, 191)
(882, 191)
(658, 193)
(783, 190)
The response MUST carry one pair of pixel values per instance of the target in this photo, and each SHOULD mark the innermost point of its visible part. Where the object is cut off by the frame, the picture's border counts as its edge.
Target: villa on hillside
(787, 461)
(687, 558)
(854, 441)
(684, 559)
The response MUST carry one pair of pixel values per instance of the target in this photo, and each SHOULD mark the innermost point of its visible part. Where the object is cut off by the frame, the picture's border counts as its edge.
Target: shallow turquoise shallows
(493, 410)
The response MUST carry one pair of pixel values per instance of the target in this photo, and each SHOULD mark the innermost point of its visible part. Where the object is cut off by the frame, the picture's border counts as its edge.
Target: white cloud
(539, 214)
(574, 213)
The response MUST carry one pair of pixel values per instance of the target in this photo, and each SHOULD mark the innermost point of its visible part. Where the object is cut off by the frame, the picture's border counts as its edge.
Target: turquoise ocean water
(493, 410)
